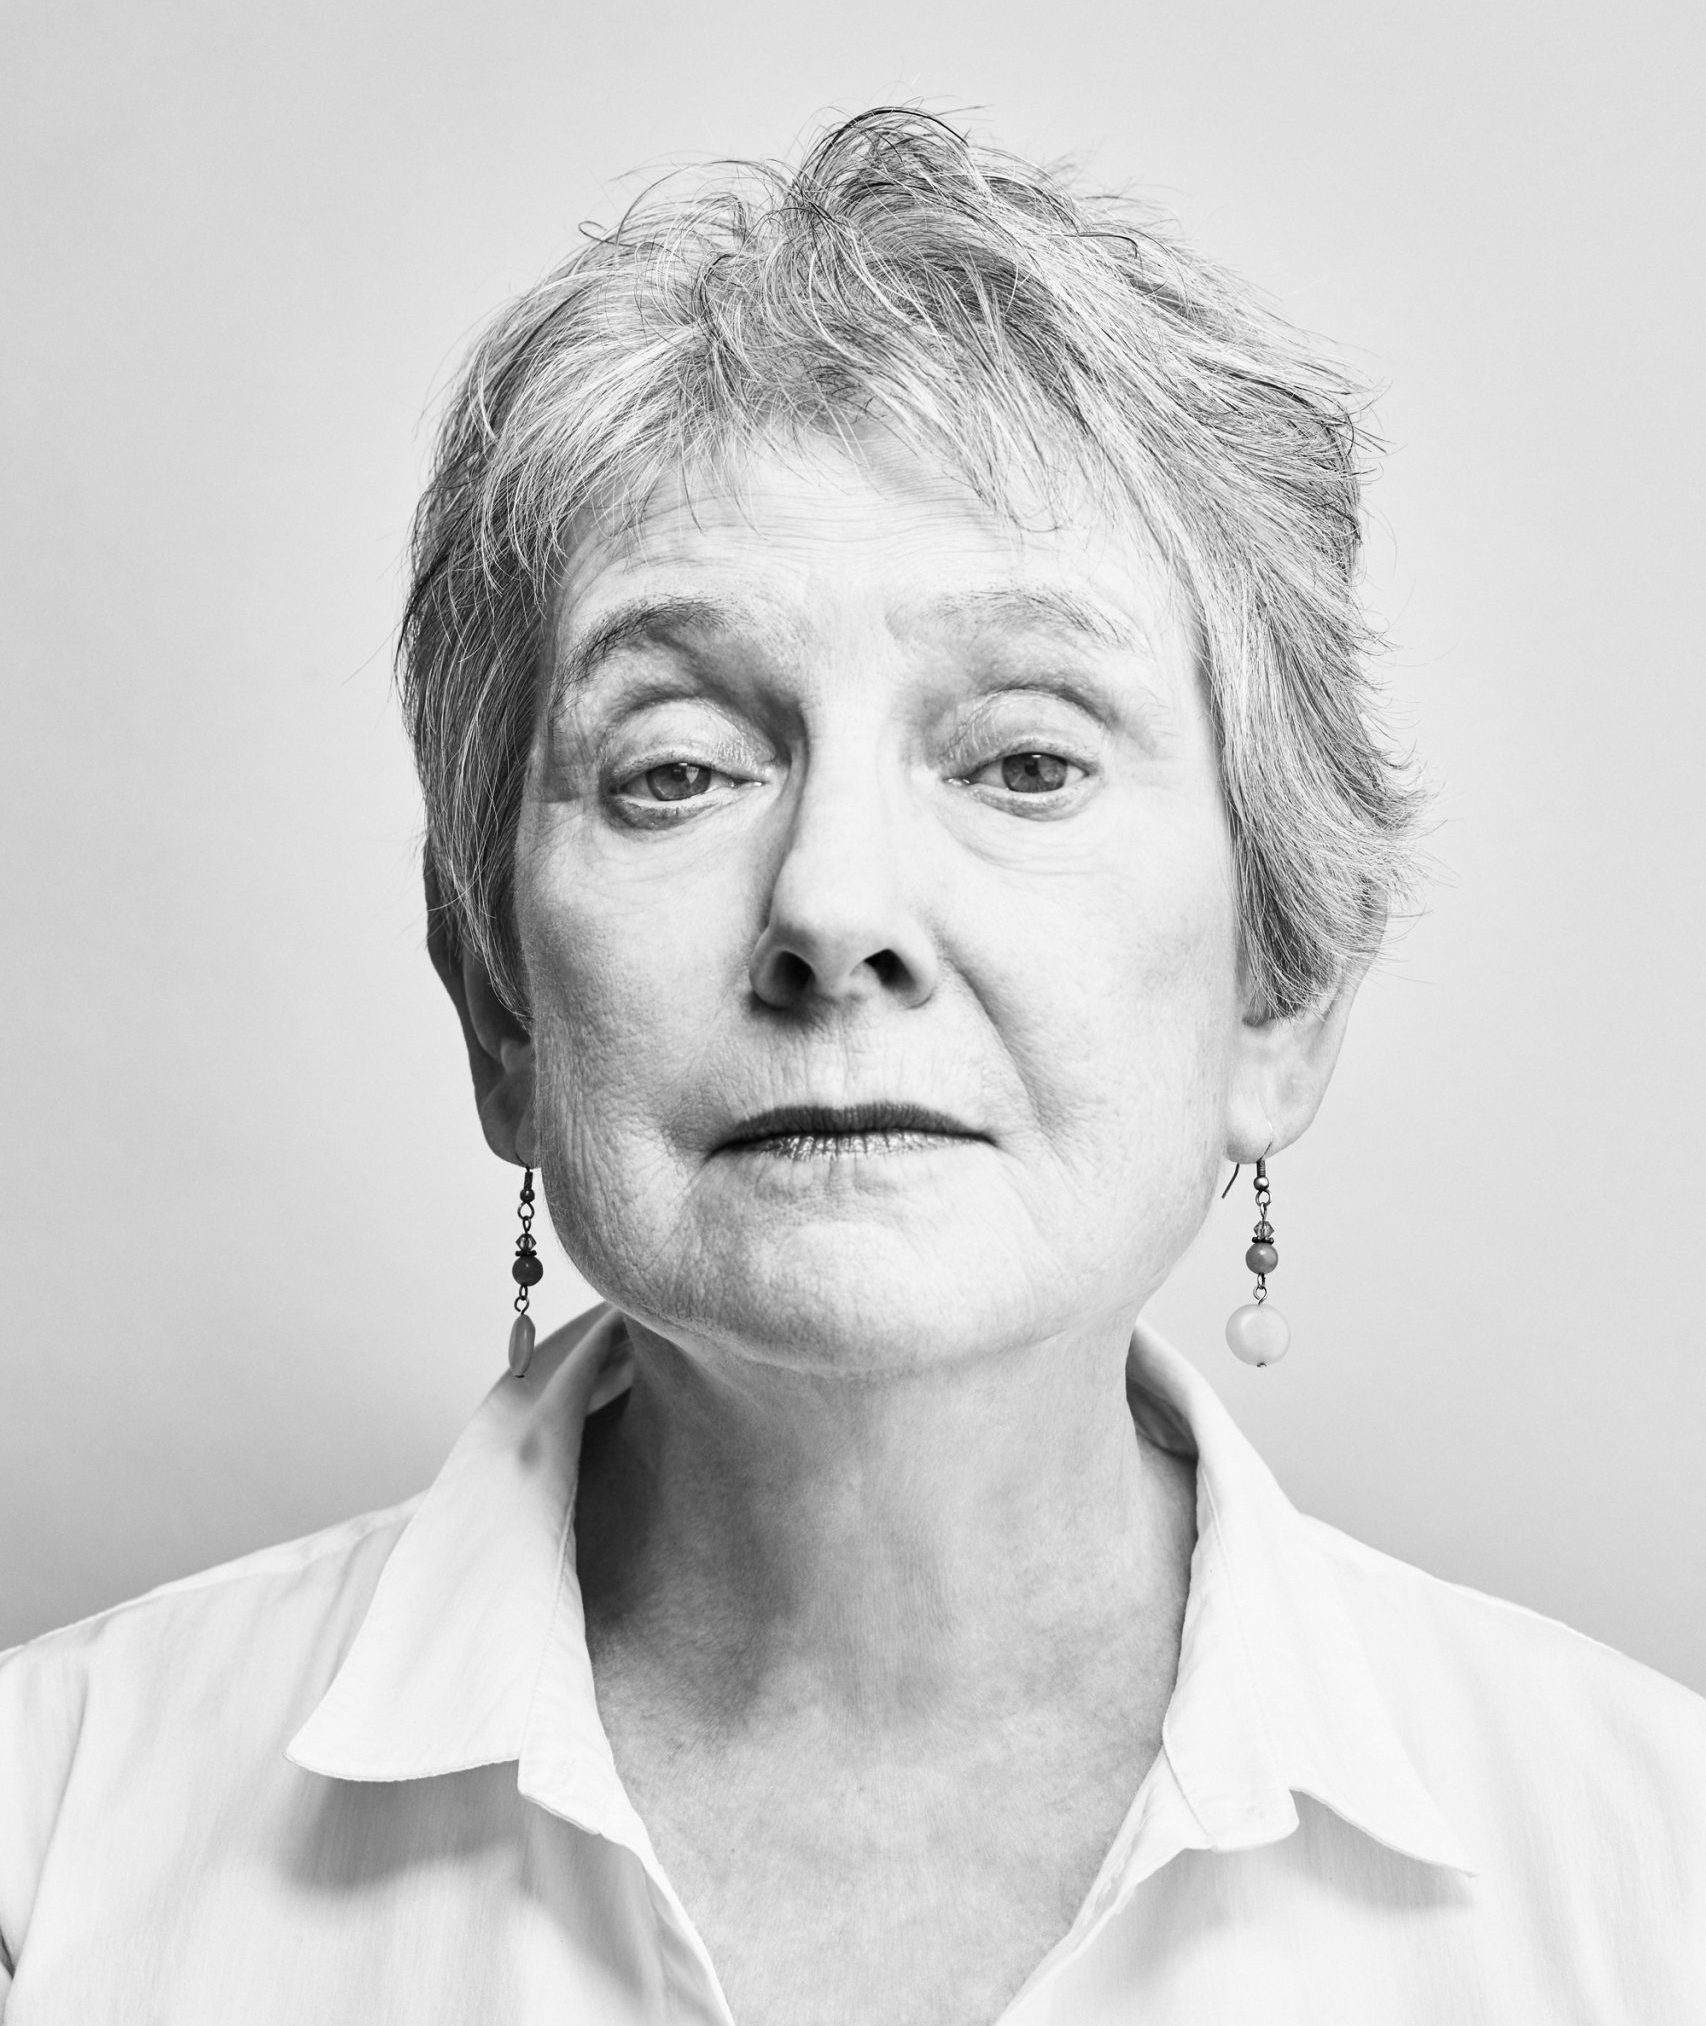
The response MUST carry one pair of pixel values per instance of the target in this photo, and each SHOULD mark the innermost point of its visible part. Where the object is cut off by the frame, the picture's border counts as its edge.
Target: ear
(1281, 1068)
(500, 1049)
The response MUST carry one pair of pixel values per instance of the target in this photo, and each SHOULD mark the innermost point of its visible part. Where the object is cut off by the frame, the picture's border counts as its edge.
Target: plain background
(255, 1262)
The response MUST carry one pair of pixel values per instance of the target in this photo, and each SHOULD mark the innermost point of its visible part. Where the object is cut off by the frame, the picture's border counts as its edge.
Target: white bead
(1258, 1333)
(521, 1345)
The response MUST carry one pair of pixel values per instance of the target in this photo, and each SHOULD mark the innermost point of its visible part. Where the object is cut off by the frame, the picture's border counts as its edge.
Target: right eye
(672, 781)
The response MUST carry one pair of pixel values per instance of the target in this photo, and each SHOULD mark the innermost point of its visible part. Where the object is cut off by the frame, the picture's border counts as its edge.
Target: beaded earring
(528, 1270)
(1257, 1333)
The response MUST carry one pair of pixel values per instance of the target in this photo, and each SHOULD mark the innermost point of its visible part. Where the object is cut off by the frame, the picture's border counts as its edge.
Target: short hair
(1024, 332)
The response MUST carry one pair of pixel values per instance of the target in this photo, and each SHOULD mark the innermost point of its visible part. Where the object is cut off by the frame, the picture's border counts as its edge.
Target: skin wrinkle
(882, 1592)
(882, 1589)
(1041, 340)
(1001, 608)
(1067, 865)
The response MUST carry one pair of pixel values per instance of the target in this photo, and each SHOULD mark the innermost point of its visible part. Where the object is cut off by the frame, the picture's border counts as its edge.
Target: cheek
(608, 1048)
(1138, 1090)
(1117, 983)
(626, 971)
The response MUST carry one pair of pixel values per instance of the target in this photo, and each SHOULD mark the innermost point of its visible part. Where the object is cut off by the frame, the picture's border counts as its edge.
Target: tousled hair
(1031, 337)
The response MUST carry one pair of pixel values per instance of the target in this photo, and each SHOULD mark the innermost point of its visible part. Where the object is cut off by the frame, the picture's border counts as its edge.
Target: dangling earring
(1258, 1333)
(527, 1271)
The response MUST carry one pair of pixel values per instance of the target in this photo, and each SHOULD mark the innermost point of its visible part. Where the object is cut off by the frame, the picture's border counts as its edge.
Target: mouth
(815, 1132)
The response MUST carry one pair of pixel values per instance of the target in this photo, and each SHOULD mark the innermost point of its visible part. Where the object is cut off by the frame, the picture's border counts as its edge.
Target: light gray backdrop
(255, 1253)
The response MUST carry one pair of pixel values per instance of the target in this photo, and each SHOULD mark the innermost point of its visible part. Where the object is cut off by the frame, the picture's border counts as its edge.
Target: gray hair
(1026, 333)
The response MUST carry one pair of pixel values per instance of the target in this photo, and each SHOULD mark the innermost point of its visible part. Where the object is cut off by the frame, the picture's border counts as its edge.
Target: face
(876, 901)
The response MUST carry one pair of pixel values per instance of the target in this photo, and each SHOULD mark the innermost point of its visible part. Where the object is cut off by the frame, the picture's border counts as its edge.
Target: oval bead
(528, 1270)
(1262, 1257)
(1257, 1333)
(521, 1345)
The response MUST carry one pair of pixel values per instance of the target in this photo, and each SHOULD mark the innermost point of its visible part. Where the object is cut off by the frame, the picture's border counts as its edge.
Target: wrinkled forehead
(812, 531)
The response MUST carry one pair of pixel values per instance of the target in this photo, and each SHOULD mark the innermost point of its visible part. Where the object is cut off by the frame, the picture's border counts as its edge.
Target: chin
(847, 1298)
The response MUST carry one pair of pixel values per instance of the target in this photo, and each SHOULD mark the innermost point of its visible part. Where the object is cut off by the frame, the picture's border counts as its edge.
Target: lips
(808, 1128)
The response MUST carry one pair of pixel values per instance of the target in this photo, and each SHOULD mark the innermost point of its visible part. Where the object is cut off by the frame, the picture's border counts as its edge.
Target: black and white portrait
(853, 1056)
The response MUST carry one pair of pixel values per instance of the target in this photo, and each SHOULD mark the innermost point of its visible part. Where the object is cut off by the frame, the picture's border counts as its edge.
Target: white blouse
(362, 1779)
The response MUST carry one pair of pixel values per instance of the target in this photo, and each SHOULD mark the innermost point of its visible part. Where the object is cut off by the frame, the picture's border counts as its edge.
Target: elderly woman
(904, 813)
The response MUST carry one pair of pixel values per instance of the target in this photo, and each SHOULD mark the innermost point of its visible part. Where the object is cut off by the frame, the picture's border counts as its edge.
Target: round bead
(1262, 1257)
(1257, 1333)
(528, 1270)
(521, 1345)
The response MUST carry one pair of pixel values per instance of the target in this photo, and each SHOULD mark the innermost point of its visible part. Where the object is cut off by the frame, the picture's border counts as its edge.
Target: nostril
(791, 975)
(827, 969)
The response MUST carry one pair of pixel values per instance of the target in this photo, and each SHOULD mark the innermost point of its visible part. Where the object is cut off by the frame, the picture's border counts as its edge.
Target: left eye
(1029, 773)
(674, 781)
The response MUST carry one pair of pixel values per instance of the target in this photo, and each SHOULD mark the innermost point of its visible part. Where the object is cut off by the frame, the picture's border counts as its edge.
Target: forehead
(817, 535)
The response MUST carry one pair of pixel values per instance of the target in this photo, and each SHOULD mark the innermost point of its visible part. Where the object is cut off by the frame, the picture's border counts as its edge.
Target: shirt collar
(473, 1652)
(1275, 1694)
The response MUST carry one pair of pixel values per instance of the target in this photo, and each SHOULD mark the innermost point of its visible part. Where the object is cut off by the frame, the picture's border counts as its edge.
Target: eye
(673, 781)
(1028, 773)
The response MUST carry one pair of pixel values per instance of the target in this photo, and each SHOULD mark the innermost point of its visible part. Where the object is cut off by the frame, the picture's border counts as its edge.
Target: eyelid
(630, 774)
(1040, 711)
(980, 743)
(718, 745)
(1081, 767)
(1065, 690)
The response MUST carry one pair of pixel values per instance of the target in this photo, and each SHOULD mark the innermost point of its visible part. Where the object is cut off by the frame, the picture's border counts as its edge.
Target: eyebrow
(646, 622)
(1029, 607)
(643, 622)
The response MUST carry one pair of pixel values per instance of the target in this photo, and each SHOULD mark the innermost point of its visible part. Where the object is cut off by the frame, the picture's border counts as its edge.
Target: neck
(889, 1542)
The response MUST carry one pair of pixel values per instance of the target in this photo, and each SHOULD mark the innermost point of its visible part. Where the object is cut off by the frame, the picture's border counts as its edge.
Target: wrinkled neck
(887, 1543)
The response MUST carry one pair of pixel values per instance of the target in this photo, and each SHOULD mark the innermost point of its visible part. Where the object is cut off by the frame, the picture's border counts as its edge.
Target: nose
(842, 925)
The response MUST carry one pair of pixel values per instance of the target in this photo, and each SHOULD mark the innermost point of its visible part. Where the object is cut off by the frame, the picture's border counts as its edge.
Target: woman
(904, 812)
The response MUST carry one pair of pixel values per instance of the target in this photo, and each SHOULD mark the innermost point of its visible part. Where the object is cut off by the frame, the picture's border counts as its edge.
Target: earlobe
(500, 1057)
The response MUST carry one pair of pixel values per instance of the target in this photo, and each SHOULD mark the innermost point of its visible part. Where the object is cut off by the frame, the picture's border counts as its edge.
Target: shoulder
(1554, 1752)
(1504, 1648)
(205, 1618)
(244, 1650)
